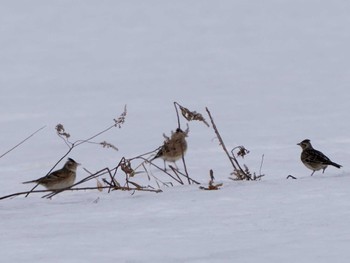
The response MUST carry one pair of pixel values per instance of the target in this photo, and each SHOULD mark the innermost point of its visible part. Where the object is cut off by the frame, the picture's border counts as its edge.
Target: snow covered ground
(272, 73)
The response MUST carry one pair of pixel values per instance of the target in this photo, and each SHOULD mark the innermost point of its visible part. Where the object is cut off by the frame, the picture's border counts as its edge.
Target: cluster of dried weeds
(110, 179)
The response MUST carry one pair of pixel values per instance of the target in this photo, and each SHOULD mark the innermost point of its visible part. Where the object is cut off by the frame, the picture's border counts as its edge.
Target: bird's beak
(298, 143)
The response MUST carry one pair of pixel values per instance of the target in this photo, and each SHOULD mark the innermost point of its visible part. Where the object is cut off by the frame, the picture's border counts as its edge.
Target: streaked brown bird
(174, 147)
(313, 159)
(59, 179)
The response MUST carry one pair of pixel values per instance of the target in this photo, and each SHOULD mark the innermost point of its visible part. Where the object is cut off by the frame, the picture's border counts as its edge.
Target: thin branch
(177, 172)
(83, 189)
(14, 147)
(261, 164)
(163, 170)
(220, 140)
(185, 167)
(177, 114)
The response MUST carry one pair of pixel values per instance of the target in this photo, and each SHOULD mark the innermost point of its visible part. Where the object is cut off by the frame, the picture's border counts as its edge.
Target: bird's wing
(314, 156)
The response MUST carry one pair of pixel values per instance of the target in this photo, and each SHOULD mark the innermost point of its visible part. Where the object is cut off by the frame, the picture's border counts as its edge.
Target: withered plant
(189, 115)
(240, 173)
(211, 184)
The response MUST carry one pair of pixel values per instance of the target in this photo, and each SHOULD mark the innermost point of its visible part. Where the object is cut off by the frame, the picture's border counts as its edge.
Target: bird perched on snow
(313, 159)
(59, 179)
(174, 147)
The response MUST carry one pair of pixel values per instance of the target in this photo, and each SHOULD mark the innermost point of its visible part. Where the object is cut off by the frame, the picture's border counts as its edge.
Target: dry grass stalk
(51, 194)
(239, 172)
(121, 119)
(211, 184)
(233, 160)
(21, 142)
(242, 175)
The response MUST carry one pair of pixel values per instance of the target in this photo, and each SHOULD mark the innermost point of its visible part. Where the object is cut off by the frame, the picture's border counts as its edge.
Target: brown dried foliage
(61, 131)
(125, 165)
(211, 185)
(192, 115)
(121, 119)
(108, 145)
(242, 151)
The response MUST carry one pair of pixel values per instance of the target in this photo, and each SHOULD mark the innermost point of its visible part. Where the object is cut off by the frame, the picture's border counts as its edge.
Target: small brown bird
(174, 147)
(59, 179)
(313, 159)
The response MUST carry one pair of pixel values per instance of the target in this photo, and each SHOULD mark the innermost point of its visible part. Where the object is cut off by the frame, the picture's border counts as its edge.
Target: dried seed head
(126, 168)
(242, 151)
(108, 145)
(121, 119)
(192, 115)
(61, 131)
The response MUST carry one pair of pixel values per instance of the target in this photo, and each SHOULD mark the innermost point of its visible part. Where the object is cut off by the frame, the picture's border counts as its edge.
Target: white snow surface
(271, 72)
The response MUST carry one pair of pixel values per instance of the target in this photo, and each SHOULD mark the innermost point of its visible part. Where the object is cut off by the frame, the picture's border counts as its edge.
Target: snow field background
(272, 73)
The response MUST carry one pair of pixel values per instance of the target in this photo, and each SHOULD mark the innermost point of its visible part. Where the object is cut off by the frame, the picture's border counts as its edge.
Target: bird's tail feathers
(30, 182)
(336, 165)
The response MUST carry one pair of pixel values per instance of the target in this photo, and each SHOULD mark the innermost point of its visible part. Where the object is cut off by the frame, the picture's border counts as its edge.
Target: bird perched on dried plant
(313, 159)
(174, 147)
(59, 179)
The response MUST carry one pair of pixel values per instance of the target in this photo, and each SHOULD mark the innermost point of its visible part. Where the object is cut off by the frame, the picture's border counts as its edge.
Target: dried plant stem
(185, 167)
(24, 193)
(177, 172)
(149, 174)
(222, 142)
(21, 142)
(177, 114)
(163, 170)
(83, 189)
(261, 164)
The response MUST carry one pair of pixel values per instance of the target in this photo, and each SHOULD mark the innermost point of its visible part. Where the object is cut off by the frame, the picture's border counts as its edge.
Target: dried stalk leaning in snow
(50, 195)
(21, 142)
(240, 173)
(176, 176)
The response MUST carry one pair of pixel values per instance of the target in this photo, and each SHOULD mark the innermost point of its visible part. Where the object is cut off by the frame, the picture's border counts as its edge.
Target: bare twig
(221, 141)
(261, 164)
(18, 144)
(83, 189)
(177, 115)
